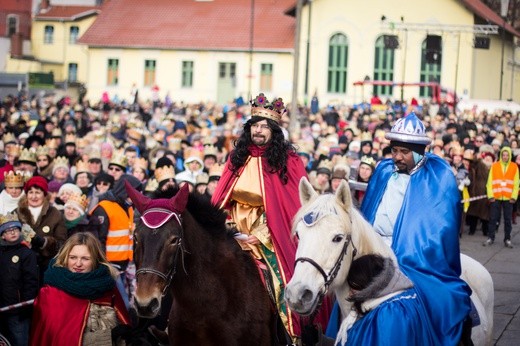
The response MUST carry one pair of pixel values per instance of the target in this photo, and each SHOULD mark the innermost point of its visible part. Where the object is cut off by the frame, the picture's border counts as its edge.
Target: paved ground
(504, 265)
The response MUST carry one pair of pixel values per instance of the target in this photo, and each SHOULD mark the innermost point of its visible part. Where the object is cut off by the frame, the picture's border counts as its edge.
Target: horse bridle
(169, 276)
(328, 278)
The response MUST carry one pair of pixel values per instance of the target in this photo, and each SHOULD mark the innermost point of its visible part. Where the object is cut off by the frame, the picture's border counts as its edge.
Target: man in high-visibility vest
(502, 193)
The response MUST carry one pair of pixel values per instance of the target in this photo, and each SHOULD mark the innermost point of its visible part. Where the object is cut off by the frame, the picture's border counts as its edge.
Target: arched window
(383, 67)
(338, 61)
(431, 64)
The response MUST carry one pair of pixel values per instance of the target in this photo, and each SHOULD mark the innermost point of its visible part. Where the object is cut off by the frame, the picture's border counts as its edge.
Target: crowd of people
(65, 164)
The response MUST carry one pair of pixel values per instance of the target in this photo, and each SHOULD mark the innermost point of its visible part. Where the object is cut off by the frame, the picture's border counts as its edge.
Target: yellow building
(404, 41)
(54, 47)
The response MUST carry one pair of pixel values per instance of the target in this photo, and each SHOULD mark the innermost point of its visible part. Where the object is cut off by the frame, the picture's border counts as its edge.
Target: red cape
(59, 319)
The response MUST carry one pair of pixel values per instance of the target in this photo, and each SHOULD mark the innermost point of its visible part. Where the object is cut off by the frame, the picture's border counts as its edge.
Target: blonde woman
(79, 292)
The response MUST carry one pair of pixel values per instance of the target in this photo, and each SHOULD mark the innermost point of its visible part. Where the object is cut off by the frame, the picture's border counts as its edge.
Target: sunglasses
(117, 169)
(104, 183)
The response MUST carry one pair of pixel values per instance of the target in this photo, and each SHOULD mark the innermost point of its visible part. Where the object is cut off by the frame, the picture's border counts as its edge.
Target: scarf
(69, 224)
(35, 212)
(91, 285)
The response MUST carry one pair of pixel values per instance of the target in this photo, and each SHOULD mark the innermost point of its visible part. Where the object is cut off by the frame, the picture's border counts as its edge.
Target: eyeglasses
(479, 141)
(12, 230)
(117, 169)
(104, 183)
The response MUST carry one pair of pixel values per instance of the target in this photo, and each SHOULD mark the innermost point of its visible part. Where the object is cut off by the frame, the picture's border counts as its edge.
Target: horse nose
(299, 297)
(147, 310)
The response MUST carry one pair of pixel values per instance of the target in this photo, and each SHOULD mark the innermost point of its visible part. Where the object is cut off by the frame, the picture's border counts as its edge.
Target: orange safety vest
(119, 246)
(503, 182)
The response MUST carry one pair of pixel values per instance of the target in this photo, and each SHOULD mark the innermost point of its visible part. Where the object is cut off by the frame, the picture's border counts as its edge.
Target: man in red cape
(259, 189)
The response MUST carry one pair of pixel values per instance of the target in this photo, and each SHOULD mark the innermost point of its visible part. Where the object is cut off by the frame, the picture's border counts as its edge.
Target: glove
(38, 242)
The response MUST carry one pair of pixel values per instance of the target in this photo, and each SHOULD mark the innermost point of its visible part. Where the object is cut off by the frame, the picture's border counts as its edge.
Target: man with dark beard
(259, 189)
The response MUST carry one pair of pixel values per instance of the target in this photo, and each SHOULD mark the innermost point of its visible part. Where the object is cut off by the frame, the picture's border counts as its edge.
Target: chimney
(44, 5)
(16, 45)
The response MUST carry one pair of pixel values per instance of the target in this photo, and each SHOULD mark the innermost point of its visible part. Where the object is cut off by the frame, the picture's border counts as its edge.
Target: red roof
(484, 12)
(66, 12)
(191, 24)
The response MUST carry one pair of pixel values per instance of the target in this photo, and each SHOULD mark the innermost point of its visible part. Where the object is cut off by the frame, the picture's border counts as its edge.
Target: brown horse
(182, 245)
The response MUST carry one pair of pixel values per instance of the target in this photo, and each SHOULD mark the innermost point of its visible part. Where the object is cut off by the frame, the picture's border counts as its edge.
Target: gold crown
(94, 154)
(134, 134)
(81, 143)
(25, 174)
(42, 150)
(210, 150)
(8, 138)
(192, 152)
(70, 138)
(142, 163)
(14, 150)
(163, 173)
(368, 160)
(366, 136)
(174, 144)
(28, 155)
(151, 185)
(119, 159)
(51, 143)
(61, 161)
(261, 107)
(13, 179)
(56, 132)
(80, 200)
(9, 217)
(216, 170)
(82, 166)
(208, 140)
(340, 161)
(326, 164)
(201, 179)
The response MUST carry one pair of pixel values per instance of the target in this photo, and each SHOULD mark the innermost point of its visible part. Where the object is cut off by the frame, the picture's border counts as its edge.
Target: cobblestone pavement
(504, 265)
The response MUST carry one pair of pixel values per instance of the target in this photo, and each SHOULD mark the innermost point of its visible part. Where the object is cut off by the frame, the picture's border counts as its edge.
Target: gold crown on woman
(163, 173)
(81, 200)
(119, 158)
(9, 217)
(28, 155)
(141, 162)
(61, 161)
(261, 107)
(81, 167)
(13, 179)
(42, 150)
(9, 138)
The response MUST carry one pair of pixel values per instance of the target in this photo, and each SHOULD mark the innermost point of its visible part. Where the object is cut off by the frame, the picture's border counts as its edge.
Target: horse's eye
(337, 238)
(174, 241)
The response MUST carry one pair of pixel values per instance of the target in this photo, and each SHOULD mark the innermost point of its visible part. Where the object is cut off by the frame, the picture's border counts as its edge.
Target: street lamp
(504, 5)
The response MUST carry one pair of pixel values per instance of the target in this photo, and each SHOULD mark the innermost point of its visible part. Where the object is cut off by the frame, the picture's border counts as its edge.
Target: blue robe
(426, 244)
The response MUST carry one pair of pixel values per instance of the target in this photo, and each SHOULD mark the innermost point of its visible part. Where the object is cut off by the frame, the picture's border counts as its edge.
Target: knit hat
(69, 187)
(8, 221)
(54, 186)
(37, 181)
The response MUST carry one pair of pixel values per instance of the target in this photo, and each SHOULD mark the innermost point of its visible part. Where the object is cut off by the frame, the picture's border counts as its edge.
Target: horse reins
(168, 277)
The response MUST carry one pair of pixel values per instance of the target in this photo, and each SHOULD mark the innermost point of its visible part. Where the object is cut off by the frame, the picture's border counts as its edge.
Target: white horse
(327, 254)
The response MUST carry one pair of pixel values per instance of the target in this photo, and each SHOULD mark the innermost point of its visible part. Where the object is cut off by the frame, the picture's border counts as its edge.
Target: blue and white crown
(409, 129)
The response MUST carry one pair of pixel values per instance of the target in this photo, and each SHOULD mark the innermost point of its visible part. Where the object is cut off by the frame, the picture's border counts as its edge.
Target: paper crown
(56, 133)
(409, 130)
(142, 163)
(174, 144)
(80, 200)
(82, 143)
(210, 150)
(82, 167)
(366, 136)
(192, 152)
(61, 161)
(95, 154)
(202, 178)
(14, 150)
(9, 217)
(8, 138)
(340, 161)
(42, 150)
(70, 139)
(325, 165)
(51, 143)
(216, 170)
(118, 159)
(151, 185)
(134, 134)
(261, 107)
(12, 179)
(28, 155)
(164, 173)
(367, 160)
(207, 140)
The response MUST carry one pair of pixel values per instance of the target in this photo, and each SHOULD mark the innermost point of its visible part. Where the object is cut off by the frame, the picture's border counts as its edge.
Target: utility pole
(293, 126)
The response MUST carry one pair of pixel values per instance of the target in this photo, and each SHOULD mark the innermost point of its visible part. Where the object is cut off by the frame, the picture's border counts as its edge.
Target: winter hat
(8, 221)
(54, 186)
(69, 187)
(37, 181)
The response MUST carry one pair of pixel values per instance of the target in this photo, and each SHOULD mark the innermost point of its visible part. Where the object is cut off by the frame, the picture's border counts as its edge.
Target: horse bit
(166, 277)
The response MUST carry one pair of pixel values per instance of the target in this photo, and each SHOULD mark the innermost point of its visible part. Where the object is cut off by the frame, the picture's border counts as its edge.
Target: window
(73, 72)
(48, 37)
(73, 34)
(266, 77)
(149, 72)
(338, 59)
(12, 25)
(430, 70)
(113, 72)
(383, 67)
(187, 74)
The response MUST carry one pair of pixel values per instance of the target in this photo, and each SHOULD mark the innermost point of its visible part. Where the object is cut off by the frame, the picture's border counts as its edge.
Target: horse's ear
(179, 201)
(307, 192)
(343, 194)
(138, 199)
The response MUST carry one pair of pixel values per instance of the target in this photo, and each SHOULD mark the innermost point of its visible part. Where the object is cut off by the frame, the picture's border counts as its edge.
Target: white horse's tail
(483, 297)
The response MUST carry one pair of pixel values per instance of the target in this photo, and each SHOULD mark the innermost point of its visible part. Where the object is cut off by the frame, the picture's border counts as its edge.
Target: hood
(508, 149)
